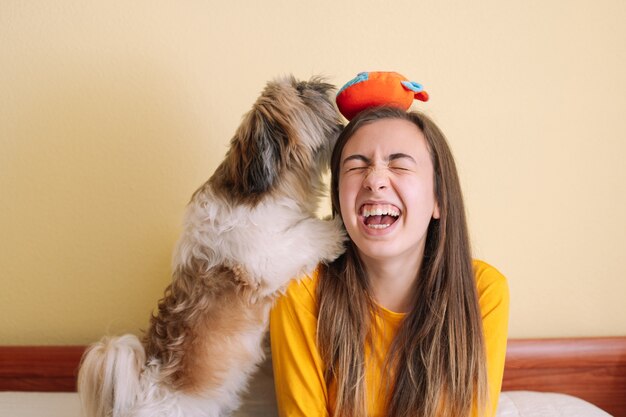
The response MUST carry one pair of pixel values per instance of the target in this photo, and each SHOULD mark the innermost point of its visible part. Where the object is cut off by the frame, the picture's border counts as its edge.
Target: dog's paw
(248, 287)
(243, 278)
(335, 237)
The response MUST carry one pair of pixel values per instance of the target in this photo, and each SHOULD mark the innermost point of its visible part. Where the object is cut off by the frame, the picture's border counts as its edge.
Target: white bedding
(545, 404)
(512, 404)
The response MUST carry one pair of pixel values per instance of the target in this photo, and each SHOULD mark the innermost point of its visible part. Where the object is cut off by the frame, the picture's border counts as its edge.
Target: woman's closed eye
(402, 165)
(356, 163)
(401, 162)
(400, 168)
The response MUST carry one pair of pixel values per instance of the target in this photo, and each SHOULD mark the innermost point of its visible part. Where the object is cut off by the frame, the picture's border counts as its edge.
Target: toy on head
(373, 89)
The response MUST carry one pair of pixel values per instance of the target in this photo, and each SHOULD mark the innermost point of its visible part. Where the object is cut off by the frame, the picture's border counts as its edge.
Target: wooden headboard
(593, 369)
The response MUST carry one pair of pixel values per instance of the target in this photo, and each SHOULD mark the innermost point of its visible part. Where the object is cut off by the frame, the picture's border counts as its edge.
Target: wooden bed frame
(593, 369)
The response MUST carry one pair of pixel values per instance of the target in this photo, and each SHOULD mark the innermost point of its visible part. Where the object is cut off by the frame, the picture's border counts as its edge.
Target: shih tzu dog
(248, 230)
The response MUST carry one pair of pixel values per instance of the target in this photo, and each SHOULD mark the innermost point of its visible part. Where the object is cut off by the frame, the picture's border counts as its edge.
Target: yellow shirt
(298, 370)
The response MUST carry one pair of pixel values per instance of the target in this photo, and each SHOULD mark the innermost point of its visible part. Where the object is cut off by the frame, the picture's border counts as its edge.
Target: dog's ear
(253, 163)
(258, 141)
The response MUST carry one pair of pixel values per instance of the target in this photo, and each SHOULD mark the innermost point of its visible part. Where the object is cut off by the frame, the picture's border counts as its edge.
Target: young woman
(405, 323)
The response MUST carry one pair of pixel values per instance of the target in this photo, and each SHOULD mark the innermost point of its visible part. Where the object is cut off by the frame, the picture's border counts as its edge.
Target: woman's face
(386, 190)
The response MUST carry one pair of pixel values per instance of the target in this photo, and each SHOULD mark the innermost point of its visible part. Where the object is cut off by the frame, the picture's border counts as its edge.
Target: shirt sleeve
(298, 372)
(493, 297)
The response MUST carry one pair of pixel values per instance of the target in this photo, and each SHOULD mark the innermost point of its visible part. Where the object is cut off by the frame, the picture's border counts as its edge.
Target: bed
(576, 377)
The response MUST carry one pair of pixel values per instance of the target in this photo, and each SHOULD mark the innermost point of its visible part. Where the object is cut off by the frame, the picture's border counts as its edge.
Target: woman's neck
(392, 281)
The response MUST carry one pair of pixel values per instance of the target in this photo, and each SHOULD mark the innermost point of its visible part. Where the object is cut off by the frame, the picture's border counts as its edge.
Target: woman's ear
(436, 211)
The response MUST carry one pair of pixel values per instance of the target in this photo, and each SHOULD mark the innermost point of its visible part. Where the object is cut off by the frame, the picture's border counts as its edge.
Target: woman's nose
(376, 179)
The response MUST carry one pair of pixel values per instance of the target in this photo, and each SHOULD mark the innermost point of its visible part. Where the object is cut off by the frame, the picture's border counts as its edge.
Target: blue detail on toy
(360, 77)
(412, 86)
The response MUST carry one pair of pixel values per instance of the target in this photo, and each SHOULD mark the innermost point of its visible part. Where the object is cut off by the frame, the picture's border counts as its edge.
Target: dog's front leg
(327, 240)
(299, 249)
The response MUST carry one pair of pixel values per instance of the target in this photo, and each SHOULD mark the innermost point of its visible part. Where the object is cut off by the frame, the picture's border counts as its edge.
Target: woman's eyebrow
(357, 157)
(392, 157)
(400, 155)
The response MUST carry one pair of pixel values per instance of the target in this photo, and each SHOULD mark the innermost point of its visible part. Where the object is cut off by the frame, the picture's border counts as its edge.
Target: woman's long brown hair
(437, 358)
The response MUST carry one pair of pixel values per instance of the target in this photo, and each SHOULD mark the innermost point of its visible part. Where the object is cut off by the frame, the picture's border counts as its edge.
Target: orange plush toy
(373, 89)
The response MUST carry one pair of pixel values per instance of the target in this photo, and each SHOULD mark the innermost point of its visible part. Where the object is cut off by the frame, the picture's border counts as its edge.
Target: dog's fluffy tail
(109, 380)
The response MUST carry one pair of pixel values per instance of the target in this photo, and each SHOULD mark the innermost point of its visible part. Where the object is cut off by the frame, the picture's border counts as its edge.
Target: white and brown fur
(248, 230)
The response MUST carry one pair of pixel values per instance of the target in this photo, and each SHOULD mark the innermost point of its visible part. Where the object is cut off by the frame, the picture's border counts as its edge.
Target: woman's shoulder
(490, 282)
(301, 293)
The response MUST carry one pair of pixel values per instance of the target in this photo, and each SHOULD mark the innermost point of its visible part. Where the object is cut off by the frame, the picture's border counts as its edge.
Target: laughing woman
(405, 323)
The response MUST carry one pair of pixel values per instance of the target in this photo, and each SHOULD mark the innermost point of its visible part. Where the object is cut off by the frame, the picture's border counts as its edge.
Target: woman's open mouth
(379, 216)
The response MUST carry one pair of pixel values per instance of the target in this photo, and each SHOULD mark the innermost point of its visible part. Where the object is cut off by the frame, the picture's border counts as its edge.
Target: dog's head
(283, 144)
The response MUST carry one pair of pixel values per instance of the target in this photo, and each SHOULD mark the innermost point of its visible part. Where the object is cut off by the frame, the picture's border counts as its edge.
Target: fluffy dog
(248, 230)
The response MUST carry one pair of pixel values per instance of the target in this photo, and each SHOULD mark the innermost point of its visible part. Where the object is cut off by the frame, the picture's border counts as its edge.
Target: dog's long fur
(248, 230)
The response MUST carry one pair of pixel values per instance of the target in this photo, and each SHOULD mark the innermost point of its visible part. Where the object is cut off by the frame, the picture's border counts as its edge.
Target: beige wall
(113, 112)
